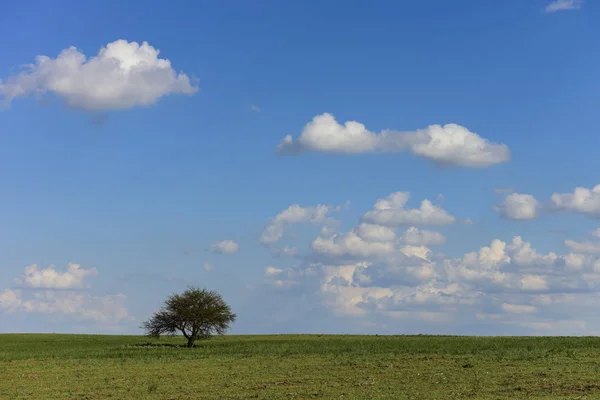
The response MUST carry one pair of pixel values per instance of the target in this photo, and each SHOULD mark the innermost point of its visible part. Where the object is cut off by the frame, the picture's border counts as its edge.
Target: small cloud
(467, 221)
(440, 197)
(270, 271)
(209, 267)
(564, 5)
(518, 206)
(255, 108)
(224, 247)
(583, 201)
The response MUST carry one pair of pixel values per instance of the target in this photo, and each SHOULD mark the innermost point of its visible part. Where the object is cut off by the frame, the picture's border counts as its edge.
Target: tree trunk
(191, 341)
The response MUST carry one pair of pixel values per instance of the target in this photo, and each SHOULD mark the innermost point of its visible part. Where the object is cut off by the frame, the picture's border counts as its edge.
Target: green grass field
(81, 367)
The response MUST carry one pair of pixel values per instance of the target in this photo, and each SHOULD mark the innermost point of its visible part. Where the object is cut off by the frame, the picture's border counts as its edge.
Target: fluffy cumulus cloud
(449, 144)
(582, 200)
(122, 75)
(391, 211)
(47, 291)
(517, 206)
(564, 5)
(376, 275)
(294, 214)
(378, 239)
(376, 233)
(350, 245)
(50, 278)
(415, 237)
(224, 247)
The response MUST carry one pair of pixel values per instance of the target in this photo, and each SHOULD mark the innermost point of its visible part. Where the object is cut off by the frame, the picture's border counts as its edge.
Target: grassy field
(82, 367)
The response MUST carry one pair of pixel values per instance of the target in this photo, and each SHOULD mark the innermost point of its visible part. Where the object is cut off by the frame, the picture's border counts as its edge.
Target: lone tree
(197, 313)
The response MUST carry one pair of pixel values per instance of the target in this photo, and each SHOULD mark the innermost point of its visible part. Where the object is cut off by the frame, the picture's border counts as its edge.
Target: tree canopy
(196, 313)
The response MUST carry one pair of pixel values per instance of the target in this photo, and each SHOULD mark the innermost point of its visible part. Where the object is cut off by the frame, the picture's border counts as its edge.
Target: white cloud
(224, 247)
(517, 308)
(255, 108)
(378, 275)
(10, 300)
(582, 200)
(506, 284)
(350, 244)
(421, 252)
(122, 75)
(587, 246)
(415, 237)
(534, 282)
(327, 230)
(391, 212)
(49, 297)
(271, 271)
(449, 144)
(294, 214)
(517, 206)
(375, 233)
(563, 5)
(108, 309)
(50, 278)
(209, 267)
(523, 254)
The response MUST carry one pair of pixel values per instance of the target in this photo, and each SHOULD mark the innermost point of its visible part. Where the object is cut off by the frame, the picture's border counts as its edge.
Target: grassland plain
(90, 367)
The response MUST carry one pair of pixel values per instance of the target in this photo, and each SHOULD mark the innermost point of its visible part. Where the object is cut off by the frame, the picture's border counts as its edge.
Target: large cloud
(122, 75)
(109, 309)
(391, 211)
(379, 276)
(504, 284)
(449, 144)
(51, 292)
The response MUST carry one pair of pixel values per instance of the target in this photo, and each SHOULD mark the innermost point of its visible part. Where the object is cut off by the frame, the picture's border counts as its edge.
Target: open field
(78, 367)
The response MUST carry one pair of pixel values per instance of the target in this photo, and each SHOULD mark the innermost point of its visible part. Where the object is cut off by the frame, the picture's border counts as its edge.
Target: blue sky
(126, 178)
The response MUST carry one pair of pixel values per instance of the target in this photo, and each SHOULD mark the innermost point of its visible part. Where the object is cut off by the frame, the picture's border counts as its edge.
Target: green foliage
(196, 313)
(61, 367)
